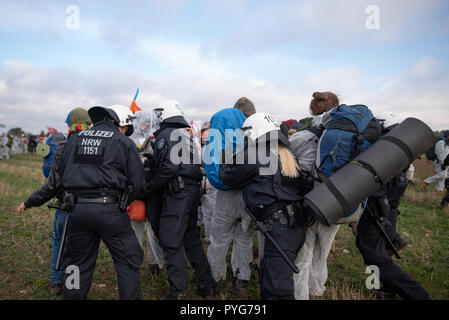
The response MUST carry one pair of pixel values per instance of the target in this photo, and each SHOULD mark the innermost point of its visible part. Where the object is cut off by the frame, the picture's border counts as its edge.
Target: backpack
(218, 141)
(350, 131)
(303, 145)
(47, 151)
(430, 155)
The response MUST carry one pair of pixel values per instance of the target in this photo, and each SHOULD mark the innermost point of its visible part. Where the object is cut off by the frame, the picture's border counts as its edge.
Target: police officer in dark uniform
(274, 198)
(373, 246)
(100, 167)
(395, 190)
(178, 180)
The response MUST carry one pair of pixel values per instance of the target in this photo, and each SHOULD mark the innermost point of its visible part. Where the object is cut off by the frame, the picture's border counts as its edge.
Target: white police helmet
(170, 111)
(124, 114)
(260, 124)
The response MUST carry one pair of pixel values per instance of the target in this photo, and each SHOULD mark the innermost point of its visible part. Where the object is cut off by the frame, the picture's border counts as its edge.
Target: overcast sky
(207, 54)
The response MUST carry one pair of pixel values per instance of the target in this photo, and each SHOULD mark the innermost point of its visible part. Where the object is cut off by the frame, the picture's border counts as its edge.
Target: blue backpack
(350, 131)
(53, 142)
(226, 119)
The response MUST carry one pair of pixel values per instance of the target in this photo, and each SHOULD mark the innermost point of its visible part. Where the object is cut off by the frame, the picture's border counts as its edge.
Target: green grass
(25, 246)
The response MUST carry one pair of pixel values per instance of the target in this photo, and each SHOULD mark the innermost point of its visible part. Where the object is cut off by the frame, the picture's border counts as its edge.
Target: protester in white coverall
(441, 151)
(143, 125)
(15, 145)
(311, 260)
(230, 222)
(4, 149)
(23, 145)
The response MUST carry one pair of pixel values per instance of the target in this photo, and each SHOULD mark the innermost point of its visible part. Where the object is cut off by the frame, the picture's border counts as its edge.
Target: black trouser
(88, 223)
(374, 251)
(178, 234)
(153, 210)
(396, 190)
(275, 276)
(390, 226)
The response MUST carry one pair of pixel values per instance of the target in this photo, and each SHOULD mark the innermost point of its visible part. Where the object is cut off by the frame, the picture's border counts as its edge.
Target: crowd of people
(115, 161)
(16, 144)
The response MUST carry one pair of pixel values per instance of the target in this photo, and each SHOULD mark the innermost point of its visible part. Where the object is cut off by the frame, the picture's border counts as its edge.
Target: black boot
(206, 292)
(239, 288)
(176, 296)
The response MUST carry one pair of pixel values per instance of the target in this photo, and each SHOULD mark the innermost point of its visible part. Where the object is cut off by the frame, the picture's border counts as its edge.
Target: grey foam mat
(356, 183)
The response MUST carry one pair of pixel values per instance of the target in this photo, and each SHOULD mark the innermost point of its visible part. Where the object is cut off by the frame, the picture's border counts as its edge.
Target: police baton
(260, 226)
(63, 238)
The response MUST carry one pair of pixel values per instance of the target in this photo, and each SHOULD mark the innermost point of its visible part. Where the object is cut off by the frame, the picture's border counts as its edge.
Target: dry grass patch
(22, 171)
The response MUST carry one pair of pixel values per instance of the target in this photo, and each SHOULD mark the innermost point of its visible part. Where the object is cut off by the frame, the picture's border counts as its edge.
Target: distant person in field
(4, 148)
(441, 152)
(445, 200)
(77, 120)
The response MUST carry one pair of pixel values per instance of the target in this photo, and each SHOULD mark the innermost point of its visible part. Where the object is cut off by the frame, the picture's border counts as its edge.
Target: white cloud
(32, 97)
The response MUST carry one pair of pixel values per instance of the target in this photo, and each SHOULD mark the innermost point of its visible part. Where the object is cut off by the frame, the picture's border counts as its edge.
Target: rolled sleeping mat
(361, 177)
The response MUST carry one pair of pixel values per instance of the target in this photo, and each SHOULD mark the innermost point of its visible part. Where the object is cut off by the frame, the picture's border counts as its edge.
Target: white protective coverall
(441, 151)
(230, 223)
(4, 149)
(311, 260)
(207, 207)
(144, 127)
(15, 146)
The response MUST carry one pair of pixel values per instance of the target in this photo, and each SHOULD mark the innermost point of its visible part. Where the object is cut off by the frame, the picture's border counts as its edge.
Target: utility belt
(102, 200)
(288, 214)
(94, 196)
(177, 184)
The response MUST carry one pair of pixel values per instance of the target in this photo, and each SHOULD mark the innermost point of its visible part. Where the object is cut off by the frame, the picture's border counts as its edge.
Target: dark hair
(322, 102)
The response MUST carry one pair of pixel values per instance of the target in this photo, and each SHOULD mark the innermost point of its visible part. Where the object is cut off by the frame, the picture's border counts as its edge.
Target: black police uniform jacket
(99, 158)
(261, 190)
(164, 169)
(92, 159)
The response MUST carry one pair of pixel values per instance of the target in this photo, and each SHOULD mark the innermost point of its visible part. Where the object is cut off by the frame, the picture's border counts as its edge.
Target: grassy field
(25, 246)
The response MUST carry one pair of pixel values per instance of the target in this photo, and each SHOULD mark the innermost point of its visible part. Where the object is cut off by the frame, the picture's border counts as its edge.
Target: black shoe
(176, 296)
(239, 288)
(206, 292)
(55, 289)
